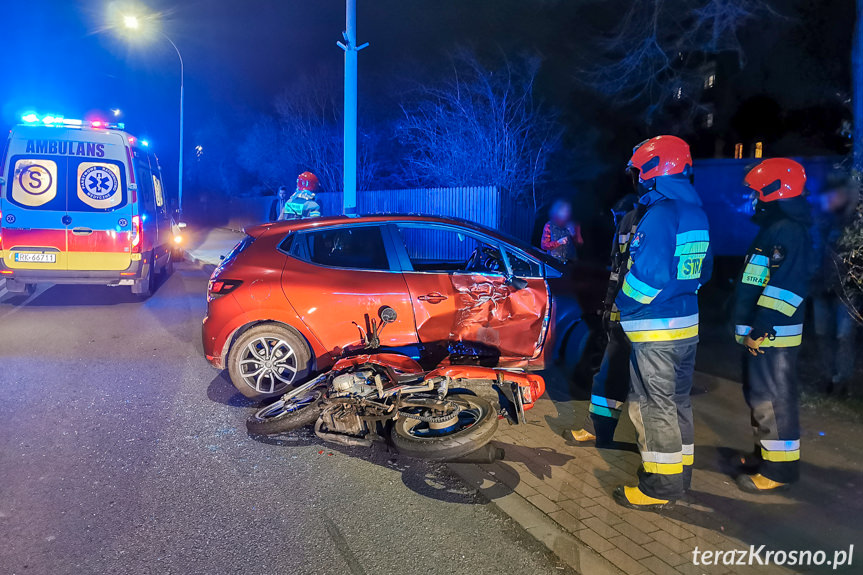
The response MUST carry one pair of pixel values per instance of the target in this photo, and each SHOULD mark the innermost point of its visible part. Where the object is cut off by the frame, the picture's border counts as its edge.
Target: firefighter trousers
(610, 386)
(771, 391)
(661, 410)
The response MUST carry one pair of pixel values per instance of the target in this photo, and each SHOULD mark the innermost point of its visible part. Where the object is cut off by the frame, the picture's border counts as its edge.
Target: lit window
(738, 151)
(759, 149)
(709, 81)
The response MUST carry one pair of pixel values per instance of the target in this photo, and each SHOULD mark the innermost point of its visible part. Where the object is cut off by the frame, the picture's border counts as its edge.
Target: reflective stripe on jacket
(777, 271)
(670, 259)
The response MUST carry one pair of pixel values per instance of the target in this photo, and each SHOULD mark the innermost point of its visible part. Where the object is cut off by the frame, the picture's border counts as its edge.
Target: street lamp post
(133, 23)
(349, 203)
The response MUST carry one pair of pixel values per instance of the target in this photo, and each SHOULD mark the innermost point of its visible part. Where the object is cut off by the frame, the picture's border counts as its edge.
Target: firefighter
(611, 383)
(768, 316)
(670, 260)
(302, 203)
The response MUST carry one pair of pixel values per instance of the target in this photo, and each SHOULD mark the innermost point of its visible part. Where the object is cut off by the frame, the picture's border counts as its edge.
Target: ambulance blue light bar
(50, 120)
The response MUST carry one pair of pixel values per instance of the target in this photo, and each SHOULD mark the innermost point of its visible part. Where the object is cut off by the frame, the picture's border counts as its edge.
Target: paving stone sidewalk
(562, 493)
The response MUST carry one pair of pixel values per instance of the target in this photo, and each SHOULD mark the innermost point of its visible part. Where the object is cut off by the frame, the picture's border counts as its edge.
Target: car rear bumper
(135, 271)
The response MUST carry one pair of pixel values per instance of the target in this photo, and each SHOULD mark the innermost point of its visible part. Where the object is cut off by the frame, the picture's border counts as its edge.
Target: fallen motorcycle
(442, 414)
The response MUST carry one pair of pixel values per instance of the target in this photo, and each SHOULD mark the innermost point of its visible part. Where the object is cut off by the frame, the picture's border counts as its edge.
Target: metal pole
(350, 192)
(180, 167)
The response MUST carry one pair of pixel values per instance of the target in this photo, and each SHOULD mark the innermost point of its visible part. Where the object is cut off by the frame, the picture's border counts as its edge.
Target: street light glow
(131, 22)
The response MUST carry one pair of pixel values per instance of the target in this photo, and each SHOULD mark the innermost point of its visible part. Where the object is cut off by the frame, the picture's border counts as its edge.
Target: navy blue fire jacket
(775, 280)
(671, 259)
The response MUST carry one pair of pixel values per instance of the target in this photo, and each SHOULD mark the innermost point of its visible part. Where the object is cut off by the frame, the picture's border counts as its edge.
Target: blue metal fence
(484, 205)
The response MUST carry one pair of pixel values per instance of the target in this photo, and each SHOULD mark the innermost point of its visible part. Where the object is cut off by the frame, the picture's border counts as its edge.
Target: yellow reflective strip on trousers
(663, 334)
(780, 456)
(662, 468)
(688, 459)
(784, 341)
(777, 304)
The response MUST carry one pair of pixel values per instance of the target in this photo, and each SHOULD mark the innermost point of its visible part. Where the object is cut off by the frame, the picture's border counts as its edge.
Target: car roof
(287, 226)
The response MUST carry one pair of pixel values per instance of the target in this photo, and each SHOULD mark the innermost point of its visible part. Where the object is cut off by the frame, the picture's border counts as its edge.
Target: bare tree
(649, 58)
(481, 127)
(305, 134)
(849, 259)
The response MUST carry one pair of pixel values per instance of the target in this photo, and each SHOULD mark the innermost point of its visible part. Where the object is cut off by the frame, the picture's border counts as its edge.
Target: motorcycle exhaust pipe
(488, 453)
(341, 439)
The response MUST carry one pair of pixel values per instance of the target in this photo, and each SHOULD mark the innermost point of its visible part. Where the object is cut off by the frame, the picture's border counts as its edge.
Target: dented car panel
(490, 306)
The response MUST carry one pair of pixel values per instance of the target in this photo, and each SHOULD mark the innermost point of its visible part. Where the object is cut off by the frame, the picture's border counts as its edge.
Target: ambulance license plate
(36, 258)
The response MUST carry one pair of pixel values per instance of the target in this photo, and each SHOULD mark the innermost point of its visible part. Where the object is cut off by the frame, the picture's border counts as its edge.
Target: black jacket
(775, 281)
(620, 257)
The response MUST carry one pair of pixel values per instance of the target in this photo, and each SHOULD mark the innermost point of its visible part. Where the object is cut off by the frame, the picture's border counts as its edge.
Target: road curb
(568, 549)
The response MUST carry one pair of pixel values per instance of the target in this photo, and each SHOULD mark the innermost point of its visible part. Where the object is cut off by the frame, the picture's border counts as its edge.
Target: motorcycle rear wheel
(281, 416)
(474, 426)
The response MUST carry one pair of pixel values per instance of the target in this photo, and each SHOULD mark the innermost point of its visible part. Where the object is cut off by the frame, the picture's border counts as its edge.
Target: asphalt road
(122, 452)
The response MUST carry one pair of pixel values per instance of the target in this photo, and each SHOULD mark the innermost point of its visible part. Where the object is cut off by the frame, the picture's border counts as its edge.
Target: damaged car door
(474, 298)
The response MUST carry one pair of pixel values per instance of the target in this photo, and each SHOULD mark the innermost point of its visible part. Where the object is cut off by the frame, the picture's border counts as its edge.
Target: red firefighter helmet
(660, 156)
(776, 179)
(307, 182)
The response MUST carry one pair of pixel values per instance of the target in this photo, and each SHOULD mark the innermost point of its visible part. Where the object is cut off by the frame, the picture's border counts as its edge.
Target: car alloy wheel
(267, 363)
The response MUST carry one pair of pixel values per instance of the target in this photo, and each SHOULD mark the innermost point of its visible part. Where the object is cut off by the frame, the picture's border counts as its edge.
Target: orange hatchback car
(294, 296)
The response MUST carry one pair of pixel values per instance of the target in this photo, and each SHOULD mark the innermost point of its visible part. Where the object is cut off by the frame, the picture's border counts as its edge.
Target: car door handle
(434, 297)
(82, 231)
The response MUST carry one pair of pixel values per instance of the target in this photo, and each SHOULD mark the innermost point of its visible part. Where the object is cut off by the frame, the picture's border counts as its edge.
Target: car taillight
(219, 287)
(137, 234)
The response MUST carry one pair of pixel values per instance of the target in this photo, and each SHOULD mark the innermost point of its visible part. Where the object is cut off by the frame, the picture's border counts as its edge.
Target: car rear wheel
(267, 360)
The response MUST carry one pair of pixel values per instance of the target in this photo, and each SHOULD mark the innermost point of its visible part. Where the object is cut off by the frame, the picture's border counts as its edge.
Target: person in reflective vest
(302, 203)
(670, 260)
(768, 316)
(611, 384)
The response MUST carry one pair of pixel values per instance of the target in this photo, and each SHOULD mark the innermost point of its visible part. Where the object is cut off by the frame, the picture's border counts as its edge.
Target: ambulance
(82, 203)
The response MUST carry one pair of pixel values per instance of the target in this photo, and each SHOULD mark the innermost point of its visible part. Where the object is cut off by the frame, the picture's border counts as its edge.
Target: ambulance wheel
(18, 287)
(168, 268)
(144, 287)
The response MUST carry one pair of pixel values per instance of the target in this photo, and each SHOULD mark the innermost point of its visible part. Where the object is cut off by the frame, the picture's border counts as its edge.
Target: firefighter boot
(634, 498)
(757, 483)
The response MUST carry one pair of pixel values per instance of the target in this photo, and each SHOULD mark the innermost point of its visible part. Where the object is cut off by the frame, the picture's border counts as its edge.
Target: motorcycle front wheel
(424, 433)
(282, 415)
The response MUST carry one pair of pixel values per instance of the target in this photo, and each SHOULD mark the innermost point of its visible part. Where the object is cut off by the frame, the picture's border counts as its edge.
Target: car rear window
(356, 247)
(57, 183)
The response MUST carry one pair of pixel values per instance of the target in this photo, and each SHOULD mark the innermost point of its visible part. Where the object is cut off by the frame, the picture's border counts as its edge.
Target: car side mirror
(516, 283)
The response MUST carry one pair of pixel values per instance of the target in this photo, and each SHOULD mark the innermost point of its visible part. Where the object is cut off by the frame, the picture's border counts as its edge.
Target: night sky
(69, 57)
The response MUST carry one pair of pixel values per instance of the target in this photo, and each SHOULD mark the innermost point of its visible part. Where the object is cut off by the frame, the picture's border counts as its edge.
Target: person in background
(835, 328)
(561, 236)
(611, 384)
(768, 311)
(302, 203)
(671, 259)
(277, 206)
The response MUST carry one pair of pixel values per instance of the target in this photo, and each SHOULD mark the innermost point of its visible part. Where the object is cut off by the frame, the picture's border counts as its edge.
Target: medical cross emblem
(99, 183)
